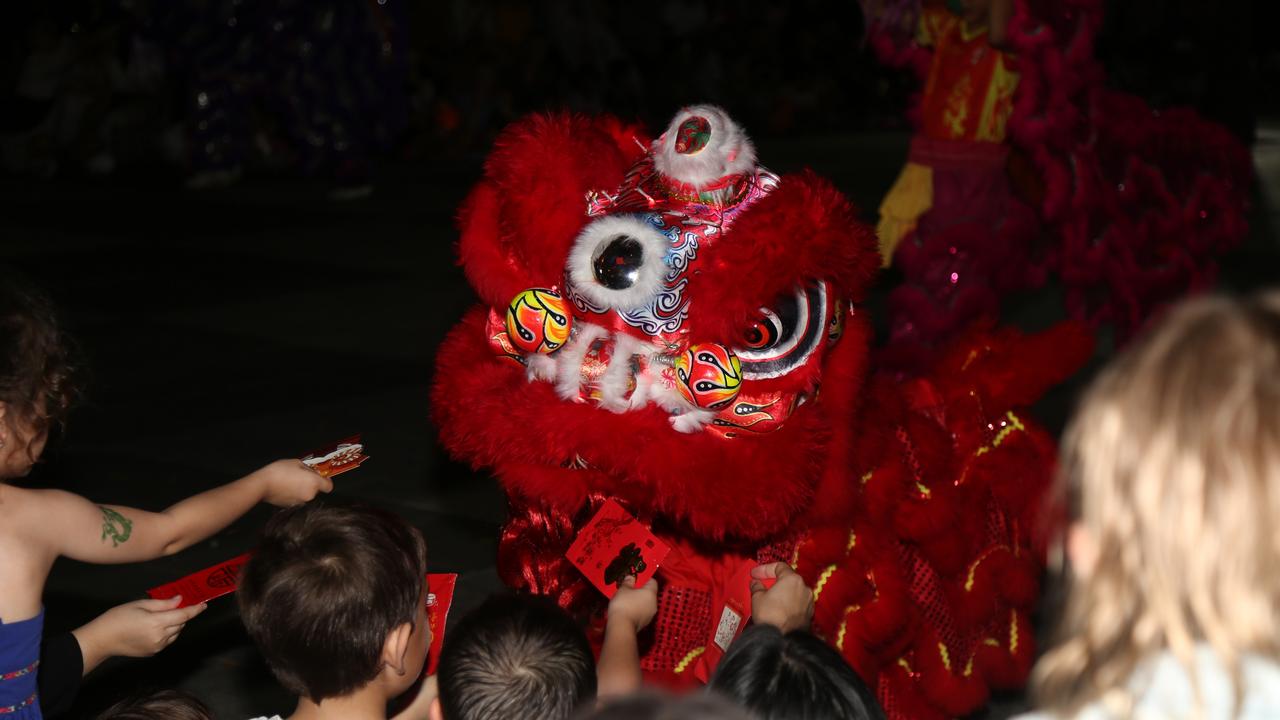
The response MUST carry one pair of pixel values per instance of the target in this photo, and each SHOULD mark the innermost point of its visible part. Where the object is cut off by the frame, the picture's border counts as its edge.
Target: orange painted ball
(539, 321)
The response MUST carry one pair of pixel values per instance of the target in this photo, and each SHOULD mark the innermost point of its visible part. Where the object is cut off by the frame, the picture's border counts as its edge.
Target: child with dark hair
(794, 676)
(37, 385)
(162, 705)
(778, 670)
(656, 706)
(514, 657)
(335, 598)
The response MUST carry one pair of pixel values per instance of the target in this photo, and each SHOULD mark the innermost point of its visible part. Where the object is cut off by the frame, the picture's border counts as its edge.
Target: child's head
(648, 705)
(36, 374)
(162, 705)
(792, 676)
(515, 656)
(335, 599)
(1171, 476)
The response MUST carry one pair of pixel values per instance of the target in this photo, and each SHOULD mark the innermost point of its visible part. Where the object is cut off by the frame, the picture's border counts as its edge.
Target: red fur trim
(518, 223)
(904, 699)
(803, 229)
(747, 488)
(844, 382)
(946, 679)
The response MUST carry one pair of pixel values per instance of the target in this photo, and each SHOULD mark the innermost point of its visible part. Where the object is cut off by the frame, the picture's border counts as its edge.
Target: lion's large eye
(618, 262)
(764, 332)
(785, 335)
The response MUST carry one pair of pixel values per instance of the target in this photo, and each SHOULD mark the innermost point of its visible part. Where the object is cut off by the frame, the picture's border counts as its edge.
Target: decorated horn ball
(539, 321)
(708, 375)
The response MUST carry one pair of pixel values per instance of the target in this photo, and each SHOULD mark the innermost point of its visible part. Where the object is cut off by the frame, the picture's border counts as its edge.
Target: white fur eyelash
(652, 272)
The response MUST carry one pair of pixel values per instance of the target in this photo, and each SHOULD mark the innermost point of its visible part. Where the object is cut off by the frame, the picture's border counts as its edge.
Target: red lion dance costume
(1126, 206)
(693, 346)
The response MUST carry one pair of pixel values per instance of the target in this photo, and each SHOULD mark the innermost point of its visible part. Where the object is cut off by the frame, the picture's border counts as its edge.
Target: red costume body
(908, 507)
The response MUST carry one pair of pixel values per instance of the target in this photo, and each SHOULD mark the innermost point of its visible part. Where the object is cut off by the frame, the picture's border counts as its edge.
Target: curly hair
(1172, 464)
(39, 373)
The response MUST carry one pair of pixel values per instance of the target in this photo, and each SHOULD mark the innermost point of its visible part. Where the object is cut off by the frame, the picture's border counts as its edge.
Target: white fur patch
(594, 237)
(692, 421)
(618, 377)
(569, 359)
(540, 367)
(728, 152)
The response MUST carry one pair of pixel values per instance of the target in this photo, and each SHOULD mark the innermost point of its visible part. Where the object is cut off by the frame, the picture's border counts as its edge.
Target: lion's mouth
(620, 373)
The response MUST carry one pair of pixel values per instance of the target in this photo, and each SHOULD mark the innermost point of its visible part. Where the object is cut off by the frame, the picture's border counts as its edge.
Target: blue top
(19, 658)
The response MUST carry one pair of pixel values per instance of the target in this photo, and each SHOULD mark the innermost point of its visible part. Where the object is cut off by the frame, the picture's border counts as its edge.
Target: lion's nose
(617, 263)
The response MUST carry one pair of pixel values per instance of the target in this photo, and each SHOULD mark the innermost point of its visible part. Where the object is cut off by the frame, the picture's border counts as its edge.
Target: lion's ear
(519, 221)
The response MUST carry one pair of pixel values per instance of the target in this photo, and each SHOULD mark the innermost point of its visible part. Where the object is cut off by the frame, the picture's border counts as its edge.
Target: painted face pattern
(626, 296)
(538, 321)
(755, 414)
(691, 220)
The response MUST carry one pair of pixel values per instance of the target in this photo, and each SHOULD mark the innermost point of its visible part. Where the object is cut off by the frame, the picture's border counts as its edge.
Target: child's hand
(788, 605)
(630, 611)
(135, 629)
(291, 482)
(634, 605)
(420, 708)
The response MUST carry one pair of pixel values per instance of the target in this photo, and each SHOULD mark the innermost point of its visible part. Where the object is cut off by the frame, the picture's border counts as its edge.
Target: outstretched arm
(630, 611)
(70, 525)
(140, 628)
(135, 629)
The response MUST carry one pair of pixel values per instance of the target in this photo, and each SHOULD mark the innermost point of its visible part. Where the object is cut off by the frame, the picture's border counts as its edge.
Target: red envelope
(439, 599)
(613, 545)
(205, 585)
(346, 454)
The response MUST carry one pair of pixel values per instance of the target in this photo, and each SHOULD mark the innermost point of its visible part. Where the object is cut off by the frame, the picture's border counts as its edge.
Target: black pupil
(617, 265)
(755, 335)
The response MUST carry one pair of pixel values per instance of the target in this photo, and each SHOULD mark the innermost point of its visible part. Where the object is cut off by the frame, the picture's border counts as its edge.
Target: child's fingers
(326, 484)
(174, 618)
(168, 640)
(771, 570)
(782, 570)
(431, 686)
(628, 581)
(155, 606)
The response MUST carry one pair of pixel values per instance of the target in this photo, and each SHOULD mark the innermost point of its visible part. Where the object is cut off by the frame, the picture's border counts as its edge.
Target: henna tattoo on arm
(115, 526)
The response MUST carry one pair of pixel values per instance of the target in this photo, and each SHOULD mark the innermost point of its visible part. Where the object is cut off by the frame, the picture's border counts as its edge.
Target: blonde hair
(1172, 464)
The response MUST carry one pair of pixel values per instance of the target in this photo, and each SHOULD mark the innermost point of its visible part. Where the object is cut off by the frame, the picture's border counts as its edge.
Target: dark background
(245, 211)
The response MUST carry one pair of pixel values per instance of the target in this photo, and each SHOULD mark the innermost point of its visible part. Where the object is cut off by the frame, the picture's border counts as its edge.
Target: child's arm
(630, 611)
(140, 628)
(70, 525)
(135, 629)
